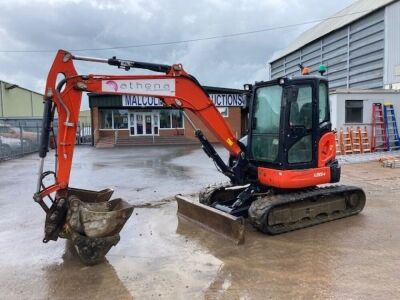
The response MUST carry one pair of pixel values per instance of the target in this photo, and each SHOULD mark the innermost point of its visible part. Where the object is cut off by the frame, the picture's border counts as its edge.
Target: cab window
(323, 103)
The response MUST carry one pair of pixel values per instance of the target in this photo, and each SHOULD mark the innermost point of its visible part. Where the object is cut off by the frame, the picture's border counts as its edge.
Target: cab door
(299, 147)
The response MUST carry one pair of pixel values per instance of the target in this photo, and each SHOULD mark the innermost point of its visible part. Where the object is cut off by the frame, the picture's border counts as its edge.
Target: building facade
(360, 46)
(353, 107)
(18, 105)
(134, 120)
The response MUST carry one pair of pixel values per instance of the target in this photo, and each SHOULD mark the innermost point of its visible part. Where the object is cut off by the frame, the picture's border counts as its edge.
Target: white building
(353, 107)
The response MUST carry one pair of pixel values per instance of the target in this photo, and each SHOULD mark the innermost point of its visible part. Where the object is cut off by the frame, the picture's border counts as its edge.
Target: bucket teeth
(93, 250)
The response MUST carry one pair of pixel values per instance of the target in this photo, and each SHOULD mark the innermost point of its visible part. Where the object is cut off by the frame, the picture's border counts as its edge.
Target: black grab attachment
(127, 64)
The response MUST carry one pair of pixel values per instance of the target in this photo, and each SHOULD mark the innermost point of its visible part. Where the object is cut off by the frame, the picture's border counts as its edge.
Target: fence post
(37, 136)
(21, 138)
(79, 133)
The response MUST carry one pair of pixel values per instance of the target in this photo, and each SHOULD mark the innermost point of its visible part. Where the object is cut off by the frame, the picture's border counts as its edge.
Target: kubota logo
(112, 84)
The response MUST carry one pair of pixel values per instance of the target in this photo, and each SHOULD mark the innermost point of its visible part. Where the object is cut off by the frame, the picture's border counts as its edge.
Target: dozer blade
(224, 224)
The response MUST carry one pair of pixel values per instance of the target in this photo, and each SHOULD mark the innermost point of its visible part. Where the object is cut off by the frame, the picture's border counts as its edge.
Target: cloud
(75, 24)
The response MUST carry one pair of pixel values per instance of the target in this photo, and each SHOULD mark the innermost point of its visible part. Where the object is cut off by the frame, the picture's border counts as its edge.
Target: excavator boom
(74, 212)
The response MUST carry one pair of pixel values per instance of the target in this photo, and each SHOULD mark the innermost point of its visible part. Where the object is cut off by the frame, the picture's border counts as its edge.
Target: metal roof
(344, 17)
(20, 87)
(366, 91)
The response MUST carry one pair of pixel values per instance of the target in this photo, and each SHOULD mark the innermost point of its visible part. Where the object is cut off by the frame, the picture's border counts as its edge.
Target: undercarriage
(278, 211)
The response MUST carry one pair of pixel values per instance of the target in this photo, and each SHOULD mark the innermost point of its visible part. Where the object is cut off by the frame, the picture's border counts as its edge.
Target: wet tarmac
(161, 258)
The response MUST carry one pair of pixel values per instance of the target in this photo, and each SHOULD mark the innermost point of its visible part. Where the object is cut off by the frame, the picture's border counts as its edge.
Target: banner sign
(162, 87)
(220, 100)
(227, 100)
(131, 100)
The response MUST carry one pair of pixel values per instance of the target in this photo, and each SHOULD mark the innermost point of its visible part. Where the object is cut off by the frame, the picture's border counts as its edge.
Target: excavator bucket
(91, 221)
(219, 222)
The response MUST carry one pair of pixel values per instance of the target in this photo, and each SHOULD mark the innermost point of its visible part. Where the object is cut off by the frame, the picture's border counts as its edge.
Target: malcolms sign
(220, 100)
(131, 100)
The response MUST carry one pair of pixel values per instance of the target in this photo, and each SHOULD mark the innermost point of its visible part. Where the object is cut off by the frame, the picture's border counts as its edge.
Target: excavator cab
(288, 118)
(290, 150)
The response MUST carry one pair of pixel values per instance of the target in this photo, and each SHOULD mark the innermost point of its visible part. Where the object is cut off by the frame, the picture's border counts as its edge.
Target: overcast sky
(227, 62)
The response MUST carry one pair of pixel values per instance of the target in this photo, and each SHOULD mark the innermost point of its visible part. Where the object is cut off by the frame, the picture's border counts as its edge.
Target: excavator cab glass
(266, 120)
(288, 118)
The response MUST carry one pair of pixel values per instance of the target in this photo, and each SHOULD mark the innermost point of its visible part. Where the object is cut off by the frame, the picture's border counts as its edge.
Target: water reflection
(301, 264)
(73, 280)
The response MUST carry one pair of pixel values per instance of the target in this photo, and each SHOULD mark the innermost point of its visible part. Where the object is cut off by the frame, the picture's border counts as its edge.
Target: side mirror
(291, 92)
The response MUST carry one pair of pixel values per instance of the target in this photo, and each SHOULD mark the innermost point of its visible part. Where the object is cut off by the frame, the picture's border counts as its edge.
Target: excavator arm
(176, 89)
(66, 216)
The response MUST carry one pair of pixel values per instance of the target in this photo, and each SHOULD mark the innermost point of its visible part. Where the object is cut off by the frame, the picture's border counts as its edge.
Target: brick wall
(234, 120)
(96, 123)
(172, 132)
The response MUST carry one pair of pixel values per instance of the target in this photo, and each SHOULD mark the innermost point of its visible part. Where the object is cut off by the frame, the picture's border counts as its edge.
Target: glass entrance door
(143, 124)
(131, 124)
(148, 124)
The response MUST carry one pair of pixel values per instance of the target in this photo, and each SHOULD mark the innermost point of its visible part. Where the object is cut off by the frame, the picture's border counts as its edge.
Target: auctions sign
(227, 100)
(219, 100)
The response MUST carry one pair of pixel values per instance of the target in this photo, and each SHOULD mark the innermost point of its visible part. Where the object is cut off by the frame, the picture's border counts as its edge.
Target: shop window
(165, 119)
(224, 111)
(354, 111)
(120, 119)
(106, 119)
(113, 119)
(176, 119)
(171, 119)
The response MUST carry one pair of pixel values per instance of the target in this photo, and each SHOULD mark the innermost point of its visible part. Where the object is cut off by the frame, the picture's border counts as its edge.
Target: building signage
(159, 87)
(220, 100)
(225, 100)
(132, 100)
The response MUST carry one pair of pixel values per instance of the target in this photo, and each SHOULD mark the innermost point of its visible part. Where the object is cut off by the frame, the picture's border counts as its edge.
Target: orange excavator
(273, 172)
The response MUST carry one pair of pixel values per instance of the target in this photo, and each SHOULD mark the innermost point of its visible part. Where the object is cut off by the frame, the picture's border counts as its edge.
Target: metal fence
(84, 134)
(18, 138)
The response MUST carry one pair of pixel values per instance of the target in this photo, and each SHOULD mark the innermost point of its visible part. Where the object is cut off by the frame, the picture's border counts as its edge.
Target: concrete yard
(161, 258)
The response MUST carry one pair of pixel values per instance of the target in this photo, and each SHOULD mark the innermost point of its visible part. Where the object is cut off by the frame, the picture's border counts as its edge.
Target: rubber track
(261, 207)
